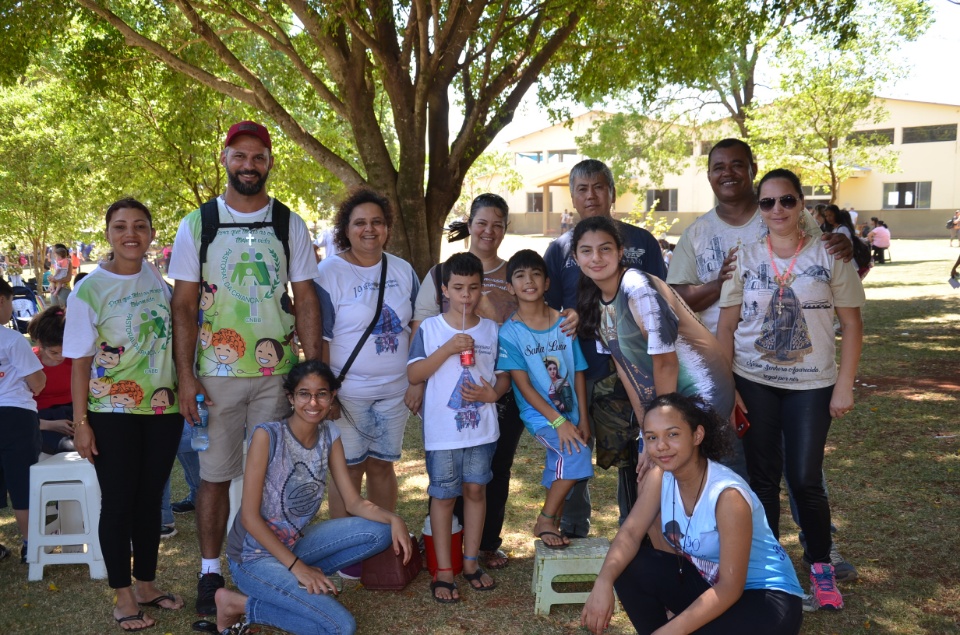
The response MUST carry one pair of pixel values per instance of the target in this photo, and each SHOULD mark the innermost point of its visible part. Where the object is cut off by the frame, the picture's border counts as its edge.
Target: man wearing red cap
(233, 324)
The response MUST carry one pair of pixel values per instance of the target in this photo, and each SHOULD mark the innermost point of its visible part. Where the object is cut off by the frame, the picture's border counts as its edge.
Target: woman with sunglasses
(776, 323)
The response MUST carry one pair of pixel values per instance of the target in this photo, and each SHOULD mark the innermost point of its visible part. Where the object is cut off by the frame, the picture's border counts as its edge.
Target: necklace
(786, 278)
(266, 221)
(678, 548)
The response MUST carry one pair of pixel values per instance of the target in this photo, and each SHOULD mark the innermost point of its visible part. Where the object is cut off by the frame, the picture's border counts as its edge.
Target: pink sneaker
(823, 586)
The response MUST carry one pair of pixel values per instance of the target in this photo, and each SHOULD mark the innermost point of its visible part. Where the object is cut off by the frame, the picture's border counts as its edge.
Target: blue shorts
(450, 469)
(19, 449)
(574, 465)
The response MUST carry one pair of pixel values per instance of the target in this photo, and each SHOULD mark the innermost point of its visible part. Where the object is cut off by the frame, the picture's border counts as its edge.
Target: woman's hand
(312, 579)
(598, 610)
(401, 538)
(570, 322)
(644, 464)
(60, 426)
(841, 402)
(85, 442)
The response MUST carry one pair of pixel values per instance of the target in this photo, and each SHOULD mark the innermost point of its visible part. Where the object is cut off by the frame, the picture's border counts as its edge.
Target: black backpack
(210, 224)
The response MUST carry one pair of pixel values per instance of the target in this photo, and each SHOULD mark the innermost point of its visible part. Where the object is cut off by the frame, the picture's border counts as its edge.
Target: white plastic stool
(580, 562)
(65, 477)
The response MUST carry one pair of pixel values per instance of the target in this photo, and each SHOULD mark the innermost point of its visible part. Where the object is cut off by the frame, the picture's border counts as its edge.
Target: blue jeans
(274, 596)
(190, 461)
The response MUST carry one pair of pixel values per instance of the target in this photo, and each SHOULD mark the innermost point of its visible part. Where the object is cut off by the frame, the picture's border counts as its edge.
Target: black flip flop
(562, 545)
(155, 602)
(205, 626)
(440, 584)
(475, 577)
(131, 618)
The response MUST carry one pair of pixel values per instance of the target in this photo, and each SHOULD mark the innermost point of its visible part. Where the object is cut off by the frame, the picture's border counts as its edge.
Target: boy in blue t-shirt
(541, 360)
(21, 378)
(456, 354)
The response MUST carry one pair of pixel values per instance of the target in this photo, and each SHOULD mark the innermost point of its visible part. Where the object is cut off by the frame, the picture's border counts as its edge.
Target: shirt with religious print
(785, 337)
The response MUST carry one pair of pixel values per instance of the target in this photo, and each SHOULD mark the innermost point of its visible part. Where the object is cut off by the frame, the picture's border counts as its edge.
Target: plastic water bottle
(200, 436)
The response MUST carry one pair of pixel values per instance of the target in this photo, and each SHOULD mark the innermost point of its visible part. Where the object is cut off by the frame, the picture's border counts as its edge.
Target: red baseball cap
(251, 128)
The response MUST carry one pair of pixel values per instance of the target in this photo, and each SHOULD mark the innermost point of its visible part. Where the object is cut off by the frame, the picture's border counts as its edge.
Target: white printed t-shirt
(247, 311)
(123, 322)
(788, 340)
(449, 421)
(348, 298)
(17, 361)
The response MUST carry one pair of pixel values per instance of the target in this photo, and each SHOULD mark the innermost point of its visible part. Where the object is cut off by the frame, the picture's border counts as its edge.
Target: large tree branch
(259, 97)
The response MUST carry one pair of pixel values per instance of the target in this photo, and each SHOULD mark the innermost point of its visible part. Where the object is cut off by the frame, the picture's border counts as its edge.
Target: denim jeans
(190, 460)
(274, 596)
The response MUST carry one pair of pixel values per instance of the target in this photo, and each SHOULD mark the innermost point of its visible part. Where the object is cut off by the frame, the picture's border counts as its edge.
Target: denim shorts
(450, 469)
(563, 465)
(372, 428)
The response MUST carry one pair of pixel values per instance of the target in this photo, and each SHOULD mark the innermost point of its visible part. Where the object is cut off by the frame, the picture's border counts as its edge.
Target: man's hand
(838, 246)
(187, 392)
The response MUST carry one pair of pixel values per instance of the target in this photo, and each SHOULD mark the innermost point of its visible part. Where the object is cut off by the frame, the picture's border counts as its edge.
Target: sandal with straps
(476, 576)
(440, 584)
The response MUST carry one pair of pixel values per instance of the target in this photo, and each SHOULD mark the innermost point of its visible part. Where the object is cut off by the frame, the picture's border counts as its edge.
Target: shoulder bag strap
(373, 323)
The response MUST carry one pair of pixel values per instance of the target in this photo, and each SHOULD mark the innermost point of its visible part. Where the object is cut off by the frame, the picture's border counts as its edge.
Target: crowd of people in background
(484, 346)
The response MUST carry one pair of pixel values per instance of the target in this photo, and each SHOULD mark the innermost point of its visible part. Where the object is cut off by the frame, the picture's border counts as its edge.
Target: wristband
(295, 561)
(556, 423)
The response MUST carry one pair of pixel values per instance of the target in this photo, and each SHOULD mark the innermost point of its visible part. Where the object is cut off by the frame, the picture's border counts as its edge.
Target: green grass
(893, 468)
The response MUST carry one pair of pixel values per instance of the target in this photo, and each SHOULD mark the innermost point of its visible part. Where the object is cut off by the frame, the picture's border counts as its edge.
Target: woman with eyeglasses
(278, 557)
(776, 324)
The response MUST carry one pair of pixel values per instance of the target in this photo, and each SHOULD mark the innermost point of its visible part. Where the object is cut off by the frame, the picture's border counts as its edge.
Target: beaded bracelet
(556, 423)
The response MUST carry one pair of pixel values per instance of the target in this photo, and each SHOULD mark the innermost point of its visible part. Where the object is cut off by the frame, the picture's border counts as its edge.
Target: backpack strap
(209, 226)
(281, 228)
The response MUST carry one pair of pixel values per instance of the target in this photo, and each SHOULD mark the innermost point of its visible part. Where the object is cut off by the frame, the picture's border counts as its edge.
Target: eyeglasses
(787, 201)
(305, 397)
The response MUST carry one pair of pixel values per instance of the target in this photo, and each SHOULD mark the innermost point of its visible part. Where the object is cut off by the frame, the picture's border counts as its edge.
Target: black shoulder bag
(373, 323)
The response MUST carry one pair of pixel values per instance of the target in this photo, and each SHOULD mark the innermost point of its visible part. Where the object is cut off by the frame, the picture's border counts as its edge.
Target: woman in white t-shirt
(776, 323)
(372, 395)
(123, 307)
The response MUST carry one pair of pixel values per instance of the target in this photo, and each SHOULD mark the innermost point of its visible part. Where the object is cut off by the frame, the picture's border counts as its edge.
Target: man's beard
(247, 189)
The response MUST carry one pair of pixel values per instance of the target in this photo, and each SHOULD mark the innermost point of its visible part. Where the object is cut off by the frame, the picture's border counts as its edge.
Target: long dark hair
(588, 293)
(717, 442)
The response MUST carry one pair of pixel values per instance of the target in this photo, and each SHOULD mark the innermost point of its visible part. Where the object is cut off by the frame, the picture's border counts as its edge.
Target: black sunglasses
(787, 201)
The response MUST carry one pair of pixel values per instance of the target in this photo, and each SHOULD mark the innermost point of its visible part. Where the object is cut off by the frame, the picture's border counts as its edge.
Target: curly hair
(231, 338)
(717, 441)
(127, 387)
(358, 196)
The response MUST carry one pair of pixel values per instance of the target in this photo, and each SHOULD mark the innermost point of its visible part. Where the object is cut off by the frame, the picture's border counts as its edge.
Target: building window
(928, 134)
(906, 195)
(662, 200)
(561, 156)
(818, 191)
(879, 137)
(529, 157)
(706, 146)
(534, 201)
